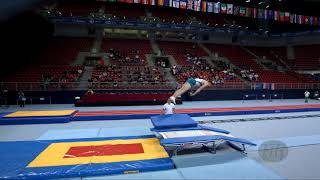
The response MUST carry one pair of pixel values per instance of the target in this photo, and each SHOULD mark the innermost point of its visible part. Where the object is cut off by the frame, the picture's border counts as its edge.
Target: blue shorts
(192, 82)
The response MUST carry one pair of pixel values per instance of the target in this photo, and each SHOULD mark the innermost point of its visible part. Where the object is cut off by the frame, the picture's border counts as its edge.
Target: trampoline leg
(243, 149)
(212, 149)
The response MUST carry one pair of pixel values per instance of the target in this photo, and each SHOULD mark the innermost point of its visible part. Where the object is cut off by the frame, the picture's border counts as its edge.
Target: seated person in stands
(190, 83)
(316, 95)
(89, 92)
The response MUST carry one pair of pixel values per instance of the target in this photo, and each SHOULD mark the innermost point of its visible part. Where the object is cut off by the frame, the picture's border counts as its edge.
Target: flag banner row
(231, 9)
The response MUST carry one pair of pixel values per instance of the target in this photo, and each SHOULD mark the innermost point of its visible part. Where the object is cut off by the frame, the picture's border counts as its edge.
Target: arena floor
(299, 131)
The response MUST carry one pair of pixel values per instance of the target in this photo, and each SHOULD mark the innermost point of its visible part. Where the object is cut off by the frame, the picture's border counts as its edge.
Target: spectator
(89, 92)
(4, 94)
(21, 98)
(316, 95)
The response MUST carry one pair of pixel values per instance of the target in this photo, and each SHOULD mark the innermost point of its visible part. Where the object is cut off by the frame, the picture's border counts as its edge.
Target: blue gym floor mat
(288, 142)
(228, 165)
(15, 157)
(95, 133)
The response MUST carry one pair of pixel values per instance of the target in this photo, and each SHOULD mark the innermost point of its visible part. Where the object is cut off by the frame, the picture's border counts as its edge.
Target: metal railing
(55, 86)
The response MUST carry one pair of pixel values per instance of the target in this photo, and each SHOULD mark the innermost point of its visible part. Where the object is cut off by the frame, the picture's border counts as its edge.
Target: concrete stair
(83, 82)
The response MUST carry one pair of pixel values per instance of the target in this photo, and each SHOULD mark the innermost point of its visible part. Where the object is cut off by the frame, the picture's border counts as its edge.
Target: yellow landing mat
(40, 113)
(55, 153)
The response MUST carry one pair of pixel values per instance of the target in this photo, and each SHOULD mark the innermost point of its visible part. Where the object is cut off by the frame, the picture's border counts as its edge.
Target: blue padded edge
(171, 141)
(173, 121)
(192, 128)
(198, 114)
(214, 129)
(86, 170)
(113, 117)
(35, 120)
(15, 156)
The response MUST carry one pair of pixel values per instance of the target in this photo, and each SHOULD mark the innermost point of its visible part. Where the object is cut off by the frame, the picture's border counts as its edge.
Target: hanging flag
(190, 4)
(229, 8)
(271, 14)
(300, 19)
(281, 16)
(176, 4)
(171, 3)
(248, 12)
(265, 14)
(136, 1)
(160, 2)
(260, 13)
(236, 10)
(286, 16)
(242, 11)
(204, 6)
(167, 2)
(197, 5)
(292, 18)
(255, 13)
(210, 6)
(306, 19)
(153, 2)
(277, 15)
(315, 20)
(216, 7)
(223, 8)
(311, 20)
(183, 4)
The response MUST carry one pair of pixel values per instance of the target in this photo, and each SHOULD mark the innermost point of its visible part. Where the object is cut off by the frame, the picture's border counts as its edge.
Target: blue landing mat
(15, 156)
(173, 121)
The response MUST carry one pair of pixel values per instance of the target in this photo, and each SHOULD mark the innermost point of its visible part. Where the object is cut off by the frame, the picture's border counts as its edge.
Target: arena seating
(129, 77)
(266, 52)
(128, 48)
(307, 57)
(35, 74)
(179, 51)
(236, 55)
(63, 51)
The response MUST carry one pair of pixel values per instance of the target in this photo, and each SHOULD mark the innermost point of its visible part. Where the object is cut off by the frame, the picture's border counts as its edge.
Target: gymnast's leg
(184, 88)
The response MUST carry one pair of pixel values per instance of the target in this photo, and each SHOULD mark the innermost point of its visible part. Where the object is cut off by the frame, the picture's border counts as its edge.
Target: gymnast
(190, 83)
